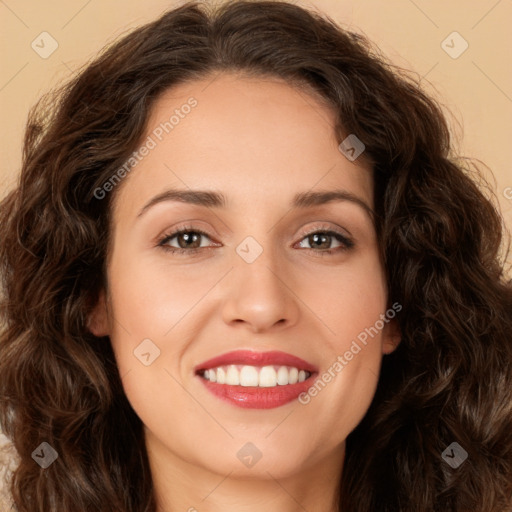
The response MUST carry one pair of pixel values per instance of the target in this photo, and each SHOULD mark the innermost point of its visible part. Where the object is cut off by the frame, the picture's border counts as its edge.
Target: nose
(259, 295)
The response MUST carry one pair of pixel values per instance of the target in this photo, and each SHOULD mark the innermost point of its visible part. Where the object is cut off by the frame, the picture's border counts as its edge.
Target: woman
(243, 270)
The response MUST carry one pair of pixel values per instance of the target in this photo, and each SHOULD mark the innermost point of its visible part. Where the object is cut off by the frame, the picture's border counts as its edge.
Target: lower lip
(253, 397)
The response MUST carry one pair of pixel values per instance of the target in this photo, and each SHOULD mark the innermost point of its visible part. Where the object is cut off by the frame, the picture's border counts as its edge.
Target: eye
(320, 241)
(189, 240)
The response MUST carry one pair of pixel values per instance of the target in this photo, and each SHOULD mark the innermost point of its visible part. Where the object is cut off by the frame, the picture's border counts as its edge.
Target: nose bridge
(258, 294)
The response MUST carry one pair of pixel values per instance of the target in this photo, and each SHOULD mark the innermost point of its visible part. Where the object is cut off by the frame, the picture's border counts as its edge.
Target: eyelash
(347, 242)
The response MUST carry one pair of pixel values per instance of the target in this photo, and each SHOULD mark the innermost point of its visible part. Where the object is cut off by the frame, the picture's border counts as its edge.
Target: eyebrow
(211, 199)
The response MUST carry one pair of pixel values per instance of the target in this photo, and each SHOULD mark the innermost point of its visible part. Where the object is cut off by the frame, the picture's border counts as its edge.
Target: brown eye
(322, 241)
(187, 240)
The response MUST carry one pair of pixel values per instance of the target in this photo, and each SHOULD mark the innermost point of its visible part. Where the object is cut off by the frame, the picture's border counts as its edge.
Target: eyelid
(326, 227)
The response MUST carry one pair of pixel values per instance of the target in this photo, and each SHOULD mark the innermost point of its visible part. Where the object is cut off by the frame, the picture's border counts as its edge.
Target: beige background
(476, 86)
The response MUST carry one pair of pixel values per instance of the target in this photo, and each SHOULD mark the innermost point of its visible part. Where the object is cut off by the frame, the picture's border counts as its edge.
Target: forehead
(254, 138)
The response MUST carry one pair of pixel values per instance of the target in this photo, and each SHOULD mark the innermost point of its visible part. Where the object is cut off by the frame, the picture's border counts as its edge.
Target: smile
(273, 379)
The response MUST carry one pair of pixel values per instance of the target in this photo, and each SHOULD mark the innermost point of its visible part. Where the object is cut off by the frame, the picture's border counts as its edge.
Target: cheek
(155, 310)
(150, 300)
(347, 299)
(351, 304)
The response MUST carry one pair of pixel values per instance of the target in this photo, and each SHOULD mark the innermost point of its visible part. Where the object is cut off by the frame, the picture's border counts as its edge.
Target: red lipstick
(294, 376)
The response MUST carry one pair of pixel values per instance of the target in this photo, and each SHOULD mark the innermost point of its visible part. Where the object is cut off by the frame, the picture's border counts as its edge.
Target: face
(272, 268)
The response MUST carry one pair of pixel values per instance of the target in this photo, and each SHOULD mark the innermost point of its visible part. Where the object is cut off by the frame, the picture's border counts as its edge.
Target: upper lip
(252, 358)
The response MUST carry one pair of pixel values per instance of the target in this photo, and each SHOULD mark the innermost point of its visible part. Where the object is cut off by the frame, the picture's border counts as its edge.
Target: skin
(259, 141)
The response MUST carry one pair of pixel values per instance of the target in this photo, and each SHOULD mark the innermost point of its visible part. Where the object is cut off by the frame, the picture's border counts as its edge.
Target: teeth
(264, 377)
(249, 376)
(268, 377)
(293, 376)
(282, 376)
(221, 375)
(233, 376)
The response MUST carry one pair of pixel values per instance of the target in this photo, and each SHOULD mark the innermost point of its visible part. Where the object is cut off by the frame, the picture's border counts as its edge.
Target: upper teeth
(264, 377)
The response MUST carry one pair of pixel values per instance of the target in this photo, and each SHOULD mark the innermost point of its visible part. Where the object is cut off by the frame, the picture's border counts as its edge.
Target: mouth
(258, 380)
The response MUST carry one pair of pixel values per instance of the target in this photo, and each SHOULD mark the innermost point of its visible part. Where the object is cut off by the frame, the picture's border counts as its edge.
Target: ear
(97, 322)
(391, 336)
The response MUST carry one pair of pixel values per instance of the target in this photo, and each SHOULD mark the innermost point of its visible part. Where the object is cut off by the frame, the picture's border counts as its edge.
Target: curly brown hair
(439, 230)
